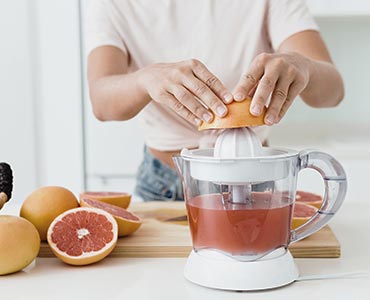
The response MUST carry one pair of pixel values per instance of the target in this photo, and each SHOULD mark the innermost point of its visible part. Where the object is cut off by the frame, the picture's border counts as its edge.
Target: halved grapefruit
(238, 116)
(127, 222)
(82, 235)
(302, 212)
(309, 198)
(115, 198)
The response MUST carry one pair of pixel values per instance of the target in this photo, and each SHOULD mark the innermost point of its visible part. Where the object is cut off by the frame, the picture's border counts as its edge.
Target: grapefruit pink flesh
(127, 222)
(115, 198)
(303, 210)
(309, 198)
(302, 213)
(112, 209)
(90, 232)
(104, 194)
(82, 235)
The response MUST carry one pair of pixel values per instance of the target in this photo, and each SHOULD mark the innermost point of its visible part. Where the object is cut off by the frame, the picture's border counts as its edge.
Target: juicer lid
(273, 164)
(238, 157)
(267, 153)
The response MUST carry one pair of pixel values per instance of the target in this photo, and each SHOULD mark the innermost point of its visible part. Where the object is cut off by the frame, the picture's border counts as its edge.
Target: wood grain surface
(161, 237)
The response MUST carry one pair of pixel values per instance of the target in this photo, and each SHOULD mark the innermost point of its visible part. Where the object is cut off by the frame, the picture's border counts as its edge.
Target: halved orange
(120, 199)
(127, 222)
(238, 116)
(302, 212)
(309, 198)
(82, 235)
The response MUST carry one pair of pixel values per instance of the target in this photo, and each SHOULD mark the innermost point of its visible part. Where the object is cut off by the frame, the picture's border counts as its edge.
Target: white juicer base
(223, 272)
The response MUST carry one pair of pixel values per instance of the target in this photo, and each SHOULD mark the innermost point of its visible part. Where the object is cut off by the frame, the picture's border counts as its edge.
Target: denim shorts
(157, 181)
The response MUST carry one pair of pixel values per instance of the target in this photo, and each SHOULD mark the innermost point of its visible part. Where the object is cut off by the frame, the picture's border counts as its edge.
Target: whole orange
(19, 244)
(43, 205)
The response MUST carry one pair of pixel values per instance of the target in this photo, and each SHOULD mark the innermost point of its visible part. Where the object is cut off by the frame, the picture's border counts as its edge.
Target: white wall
(348, 39)
(17, 111)
(40, 94)
(59, 93)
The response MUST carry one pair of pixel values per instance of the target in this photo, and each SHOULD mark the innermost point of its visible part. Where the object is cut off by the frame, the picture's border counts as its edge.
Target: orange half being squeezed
(238, 116)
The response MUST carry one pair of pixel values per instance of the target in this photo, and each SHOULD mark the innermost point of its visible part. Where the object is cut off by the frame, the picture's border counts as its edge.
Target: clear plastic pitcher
(242, 207)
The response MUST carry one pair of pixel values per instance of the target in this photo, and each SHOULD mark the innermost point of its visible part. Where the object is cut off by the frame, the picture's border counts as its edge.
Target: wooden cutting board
(158, 237)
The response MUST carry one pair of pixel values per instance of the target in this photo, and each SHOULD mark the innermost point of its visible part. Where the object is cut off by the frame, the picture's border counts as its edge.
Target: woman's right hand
(186, 87)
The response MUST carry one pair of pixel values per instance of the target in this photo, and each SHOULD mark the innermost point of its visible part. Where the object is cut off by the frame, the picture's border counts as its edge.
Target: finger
(205, 94)
(188, 100)
(180, 109)
(264, 89)
(211, 81)
(250, 79)
(294, 90)
(278, 98)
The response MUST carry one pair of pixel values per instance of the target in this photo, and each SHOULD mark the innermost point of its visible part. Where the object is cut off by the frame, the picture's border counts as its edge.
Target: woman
(178, 63)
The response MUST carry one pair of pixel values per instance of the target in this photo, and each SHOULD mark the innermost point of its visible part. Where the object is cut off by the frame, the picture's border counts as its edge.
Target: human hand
(283, 75)
(184, 86)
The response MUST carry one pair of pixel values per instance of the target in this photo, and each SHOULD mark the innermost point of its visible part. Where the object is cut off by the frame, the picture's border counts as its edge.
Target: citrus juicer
(239, 198)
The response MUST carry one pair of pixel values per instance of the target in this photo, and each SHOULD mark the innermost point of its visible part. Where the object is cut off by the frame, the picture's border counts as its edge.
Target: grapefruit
(43, 205)
(19, 244)
(309, 198)
(82, 235)
(302, 212)
(115, 198)
(127, 222)
(238, 116)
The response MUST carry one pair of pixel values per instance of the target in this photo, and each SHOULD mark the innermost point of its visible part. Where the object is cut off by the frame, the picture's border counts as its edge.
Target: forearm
(117, 97)
(325, 86)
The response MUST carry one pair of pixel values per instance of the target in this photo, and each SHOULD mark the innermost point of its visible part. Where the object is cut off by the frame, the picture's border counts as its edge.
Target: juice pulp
(239, 229)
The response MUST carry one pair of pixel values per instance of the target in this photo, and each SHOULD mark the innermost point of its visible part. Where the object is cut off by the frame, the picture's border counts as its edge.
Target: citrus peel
(238, 116)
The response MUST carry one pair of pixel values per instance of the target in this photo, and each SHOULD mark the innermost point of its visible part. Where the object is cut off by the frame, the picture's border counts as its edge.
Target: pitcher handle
(335, 182)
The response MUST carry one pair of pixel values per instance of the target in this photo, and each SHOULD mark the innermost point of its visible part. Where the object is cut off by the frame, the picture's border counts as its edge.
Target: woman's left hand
(282, 75)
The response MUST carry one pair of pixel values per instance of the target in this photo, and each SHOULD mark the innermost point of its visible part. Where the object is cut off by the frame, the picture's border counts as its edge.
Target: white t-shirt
(224, 34)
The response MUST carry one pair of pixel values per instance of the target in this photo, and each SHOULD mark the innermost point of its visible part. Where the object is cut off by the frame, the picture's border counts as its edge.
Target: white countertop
(162, 278)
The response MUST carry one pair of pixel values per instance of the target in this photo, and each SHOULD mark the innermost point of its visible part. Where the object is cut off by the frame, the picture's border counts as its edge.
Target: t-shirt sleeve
(287, 17)
(99, 26)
